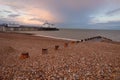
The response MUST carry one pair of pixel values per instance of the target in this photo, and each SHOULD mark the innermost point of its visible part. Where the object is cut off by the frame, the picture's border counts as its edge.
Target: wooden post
(77, 41)
(44, 51)
(56, 47)
(86, 39)
(24, 55)
(66, 45)
(73, 42)
(81, 40)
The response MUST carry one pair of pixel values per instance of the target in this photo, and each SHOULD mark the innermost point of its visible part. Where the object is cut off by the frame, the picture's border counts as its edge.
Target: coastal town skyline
(88, 14)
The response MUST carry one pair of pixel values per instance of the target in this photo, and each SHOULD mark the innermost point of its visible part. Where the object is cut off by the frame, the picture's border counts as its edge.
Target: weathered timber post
(66, 45)
(56, 47)
(44, 51)
(24, 55)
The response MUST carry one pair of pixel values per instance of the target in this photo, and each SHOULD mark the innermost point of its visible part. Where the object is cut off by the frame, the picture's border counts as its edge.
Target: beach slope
(77, 61)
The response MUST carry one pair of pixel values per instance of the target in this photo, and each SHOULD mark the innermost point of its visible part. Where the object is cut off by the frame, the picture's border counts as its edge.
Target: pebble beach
(99, 60)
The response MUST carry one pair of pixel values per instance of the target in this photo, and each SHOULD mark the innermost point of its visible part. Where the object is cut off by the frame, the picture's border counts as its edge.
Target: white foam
(58, 38)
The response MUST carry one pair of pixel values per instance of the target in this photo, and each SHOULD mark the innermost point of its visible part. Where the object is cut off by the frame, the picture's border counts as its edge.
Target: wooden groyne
(66, 45)
(96, 38)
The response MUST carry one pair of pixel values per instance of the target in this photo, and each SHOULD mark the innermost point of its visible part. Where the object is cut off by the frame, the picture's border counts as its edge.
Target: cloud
(112, 12)
(54, 9)
(67, 12)
(37, 19)
(13, 15)
(42, 13)
(82, 4)
(104, 19)
(7, 11)
(109, 25)
(6, 20)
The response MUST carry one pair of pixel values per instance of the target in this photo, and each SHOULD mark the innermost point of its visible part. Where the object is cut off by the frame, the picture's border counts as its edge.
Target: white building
(48, 25)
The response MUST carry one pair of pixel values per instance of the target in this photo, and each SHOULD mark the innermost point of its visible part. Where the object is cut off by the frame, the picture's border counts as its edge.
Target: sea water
(77, 34)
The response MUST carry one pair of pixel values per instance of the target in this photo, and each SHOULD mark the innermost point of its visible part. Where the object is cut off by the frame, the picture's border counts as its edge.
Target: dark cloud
(3, 21)
(13, 15)
(7, 11)
(6, 20)
(113, 11)
(111, 23)
(115, 25)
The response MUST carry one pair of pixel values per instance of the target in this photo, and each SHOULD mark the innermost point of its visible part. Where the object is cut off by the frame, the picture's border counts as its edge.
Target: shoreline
(57, 38)
(68, 39)
(78, 34)
(102, 39)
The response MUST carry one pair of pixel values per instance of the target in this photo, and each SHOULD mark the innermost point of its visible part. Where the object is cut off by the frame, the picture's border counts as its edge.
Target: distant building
(17, 27)
(2, 28)
(13, 25)
(48, 25)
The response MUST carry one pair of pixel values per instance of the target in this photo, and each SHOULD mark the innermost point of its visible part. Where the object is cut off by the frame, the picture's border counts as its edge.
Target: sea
(77, 34)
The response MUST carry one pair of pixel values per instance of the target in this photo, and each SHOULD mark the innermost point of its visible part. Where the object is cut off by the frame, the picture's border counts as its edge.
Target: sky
(87, 14)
